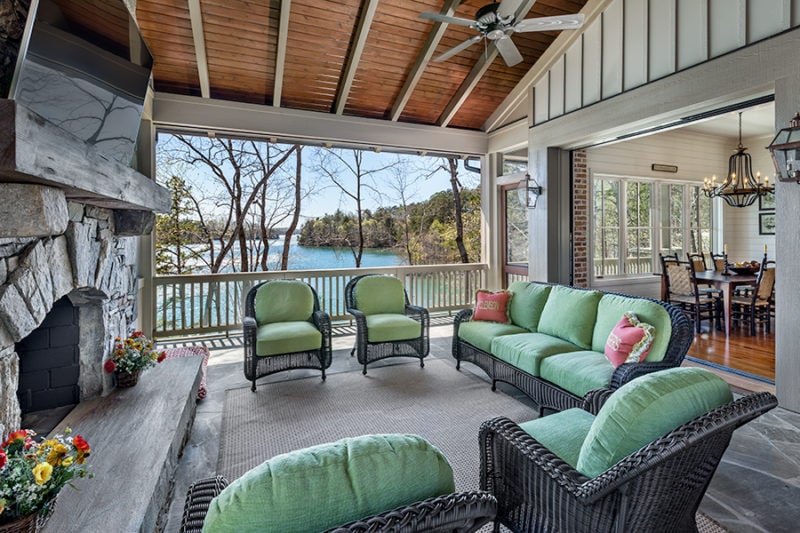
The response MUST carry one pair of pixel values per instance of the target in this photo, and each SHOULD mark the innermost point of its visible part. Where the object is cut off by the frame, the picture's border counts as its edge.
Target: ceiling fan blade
(508, 50)
(560, 22)
(456, 49)
(509, 7)
(438, 17)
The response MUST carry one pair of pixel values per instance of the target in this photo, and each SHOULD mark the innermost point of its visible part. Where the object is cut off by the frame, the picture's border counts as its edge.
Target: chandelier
(739, 188)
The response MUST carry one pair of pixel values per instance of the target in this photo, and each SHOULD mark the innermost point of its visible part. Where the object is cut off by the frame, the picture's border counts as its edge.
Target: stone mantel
(33, 150)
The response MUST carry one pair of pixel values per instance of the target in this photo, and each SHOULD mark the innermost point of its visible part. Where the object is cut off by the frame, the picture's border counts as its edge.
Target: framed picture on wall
(766, 223)
(766, 202)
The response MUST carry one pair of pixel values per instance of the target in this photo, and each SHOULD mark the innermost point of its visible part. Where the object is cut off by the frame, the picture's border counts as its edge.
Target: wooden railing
(214, 303)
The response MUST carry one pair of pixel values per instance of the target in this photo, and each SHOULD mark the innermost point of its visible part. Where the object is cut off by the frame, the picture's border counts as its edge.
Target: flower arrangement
(32, 473)
(135, 353)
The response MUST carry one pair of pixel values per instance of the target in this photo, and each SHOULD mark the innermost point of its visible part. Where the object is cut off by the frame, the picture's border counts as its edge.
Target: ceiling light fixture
(740, 188)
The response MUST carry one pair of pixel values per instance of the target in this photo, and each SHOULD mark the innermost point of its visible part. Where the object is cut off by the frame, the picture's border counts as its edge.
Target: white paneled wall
(740, 229)
(637, 41)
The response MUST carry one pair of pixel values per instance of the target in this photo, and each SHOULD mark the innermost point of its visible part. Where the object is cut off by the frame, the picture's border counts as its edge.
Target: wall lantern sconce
(529, 191)
(785, 150)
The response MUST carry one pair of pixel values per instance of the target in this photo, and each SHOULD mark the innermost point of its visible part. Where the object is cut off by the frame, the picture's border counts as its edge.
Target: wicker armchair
(657, 488)
(460, 512)
(386, 324)
(284, 328)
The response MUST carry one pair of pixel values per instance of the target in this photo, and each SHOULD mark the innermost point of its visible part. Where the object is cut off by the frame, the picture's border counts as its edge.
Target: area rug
(438, 402)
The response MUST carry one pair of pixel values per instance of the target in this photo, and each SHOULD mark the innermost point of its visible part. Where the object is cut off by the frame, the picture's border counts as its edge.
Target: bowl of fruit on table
(745, 267)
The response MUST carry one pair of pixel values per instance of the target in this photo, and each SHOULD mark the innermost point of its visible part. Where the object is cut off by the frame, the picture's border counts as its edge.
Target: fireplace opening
(49, 362)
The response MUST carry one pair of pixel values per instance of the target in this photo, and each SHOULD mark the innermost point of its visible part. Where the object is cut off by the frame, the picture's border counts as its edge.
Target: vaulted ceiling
(364, 58)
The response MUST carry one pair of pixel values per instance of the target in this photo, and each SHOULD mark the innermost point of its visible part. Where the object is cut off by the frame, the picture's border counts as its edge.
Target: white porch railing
(214, 303)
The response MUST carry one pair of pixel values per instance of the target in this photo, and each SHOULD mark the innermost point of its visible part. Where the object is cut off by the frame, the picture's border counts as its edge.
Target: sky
(325, 197)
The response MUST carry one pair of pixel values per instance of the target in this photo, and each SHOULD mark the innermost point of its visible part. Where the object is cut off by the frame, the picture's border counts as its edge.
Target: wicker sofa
(553, 347)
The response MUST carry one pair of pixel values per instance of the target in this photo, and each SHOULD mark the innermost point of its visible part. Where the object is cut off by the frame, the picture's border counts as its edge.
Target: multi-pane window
(636, 219)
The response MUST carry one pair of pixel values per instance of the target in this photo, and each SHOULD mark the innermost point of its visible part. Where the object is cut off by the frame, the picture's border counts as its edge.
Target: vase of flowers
(130, 357)
(32, 474)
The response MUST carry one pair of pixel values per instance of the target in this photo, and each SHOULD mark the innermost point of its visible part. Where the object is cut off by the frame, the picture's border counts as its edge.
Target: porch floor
(755, 489)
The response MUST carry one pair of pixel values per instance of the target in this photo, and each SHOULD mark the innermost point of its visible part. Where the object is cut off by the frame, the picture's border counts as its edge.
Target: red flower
(17, 436)
(161, 356)
(81, 444)
(3, 460)
(137, 334)
(110, 366)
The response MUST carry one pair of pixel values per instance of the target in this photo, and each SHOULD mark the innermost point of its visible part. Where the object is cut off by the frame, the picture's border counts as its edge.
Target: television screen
(86, 69)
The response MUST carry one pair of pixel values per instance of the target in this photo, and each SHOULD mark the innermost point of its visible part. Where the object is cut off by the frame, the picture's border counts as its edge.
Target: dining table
(725, 283)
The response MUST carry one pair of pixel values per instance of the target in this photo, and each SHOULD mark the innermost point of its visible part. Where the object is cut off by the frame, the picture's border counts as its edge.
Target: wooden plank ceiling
(365, 58)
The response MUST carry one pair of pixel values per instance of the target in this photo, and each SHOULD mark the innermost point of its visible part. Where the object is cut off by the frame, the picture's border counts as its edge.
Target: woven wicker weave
(550, 396)
(656, 489)
(256, 367)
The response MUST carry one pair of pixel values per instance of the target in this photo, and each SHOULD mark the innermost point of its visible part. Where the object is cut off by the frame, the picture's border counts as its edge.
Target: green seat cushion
(578, 372)
(610, 311)
(562, 433)
(324, 486)
(645, 409)
(527, 303)
(287, 337)
(283, 301)
(480, 334)
(380, 295)
(570, 315)
(526, 351)
(386, 328)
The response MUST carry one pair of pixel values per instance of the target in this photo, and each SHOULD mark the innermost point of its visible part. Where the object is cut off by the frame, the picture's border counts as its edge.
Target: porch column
(549, 224)
(491, 168)
(145, 163)
(787, 244)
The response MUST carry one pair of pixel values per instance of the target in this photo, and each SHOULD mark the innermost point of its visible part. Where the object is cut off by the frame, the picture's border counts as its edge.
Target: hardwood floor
(739, 351)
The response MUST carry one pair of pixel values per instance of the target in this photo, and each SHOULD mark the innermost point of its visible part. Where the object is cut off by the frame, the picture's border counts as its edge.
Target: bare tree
(452, 168)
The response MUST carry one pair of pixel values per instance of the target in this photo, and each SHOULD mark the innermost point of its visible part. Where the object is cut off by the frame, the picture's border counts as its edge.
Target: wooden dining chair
(698, 263)
(684, 293)
(757, 307)
(719, 262)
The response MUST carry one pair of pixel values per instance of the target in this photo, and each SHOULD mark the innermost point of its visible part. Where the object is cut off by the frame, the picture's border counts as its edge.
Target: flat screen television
(84, 66)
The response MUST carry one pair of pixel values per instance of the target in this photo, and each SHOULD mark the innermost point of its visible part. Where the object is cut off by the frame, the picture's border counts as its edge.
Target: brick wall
(580, 228)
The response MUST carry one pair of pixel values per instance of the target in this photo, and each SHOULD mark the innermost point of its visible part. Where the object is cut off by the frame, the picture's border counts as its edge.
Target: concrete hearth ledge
(137, 436)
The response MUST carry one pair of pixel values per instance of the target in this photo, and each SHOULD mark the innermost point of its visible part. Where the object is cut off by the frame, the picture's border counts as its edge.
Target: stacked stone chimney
(50, 248)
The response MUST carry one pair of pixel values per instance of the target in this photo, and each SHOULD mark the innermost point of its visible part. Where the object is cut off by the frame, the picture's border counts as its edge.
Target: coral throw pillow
(492, 306)
(629, 341)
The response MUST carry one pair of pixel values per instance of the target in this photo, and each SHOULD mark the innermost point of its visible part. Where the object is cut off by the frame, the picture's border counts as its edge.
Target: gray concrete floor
(756, 488)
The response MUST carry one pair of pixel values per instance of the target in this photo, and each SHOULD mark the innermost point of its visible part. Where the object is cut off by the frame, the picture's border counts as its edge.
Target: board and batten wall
(635, 42)
(740, 226)
(695, 154)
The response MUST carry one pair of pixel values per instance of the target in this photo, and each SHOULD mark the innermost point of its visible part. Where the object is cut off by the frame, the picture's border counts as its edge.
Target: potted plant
(32, 474)
(130, 357)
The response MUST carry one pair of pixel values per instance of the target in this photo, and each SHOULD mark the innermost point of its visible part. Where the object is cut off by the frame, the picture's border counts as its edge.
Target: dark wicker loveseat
(548, 394)
(460, 512)
(657, 488)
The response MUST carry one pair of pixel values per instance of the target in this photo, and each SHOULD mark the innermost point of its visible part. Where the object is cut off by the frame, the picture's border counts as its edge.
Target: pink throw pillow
(491, 306)
(629, 341)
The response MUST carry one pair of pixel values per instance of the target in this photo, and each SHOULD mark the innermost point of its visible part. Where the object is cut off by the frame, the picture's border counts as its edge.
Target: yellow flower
(42, 473)
(67, 461)
(57, 453)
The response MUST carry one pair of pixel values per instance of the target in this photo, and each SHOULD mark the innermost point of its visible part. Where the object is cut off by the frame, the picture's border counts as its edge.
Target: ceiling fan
(497, 22)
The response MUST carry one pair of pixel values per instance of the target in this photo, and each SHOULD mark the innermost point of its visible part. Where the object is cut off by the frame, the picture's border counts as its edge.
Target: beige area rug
(441, 404)
(437, 402)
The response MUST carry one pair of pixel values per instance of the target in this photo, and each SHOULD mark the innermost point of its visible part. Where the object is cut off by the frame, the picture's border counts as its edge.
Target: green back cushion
(570, 314)
(645, 409)
(380, 295)
(283, 301)
(613, 306)
(317, 488)
(562, 433)
(527, 303)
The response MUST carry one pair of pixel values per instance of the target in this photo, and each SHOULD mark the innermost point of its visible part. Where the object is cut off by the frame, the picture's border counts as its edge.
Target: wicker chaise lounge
(655, 488)
(387, 325)
(284, 328)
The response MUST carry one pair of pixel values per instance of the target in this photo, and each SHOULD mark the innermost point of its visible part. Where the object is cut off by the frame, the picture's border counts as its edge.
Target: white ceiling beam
(196, 18)
(435, 35)
(280, 60)
(364, 24)
(476, 74)
(203, 115)
(591, 10)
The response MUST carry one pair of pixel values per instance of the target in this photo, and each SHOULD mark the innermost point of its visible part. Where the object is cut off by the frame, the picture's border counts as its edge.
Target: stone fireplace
(77, 261)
